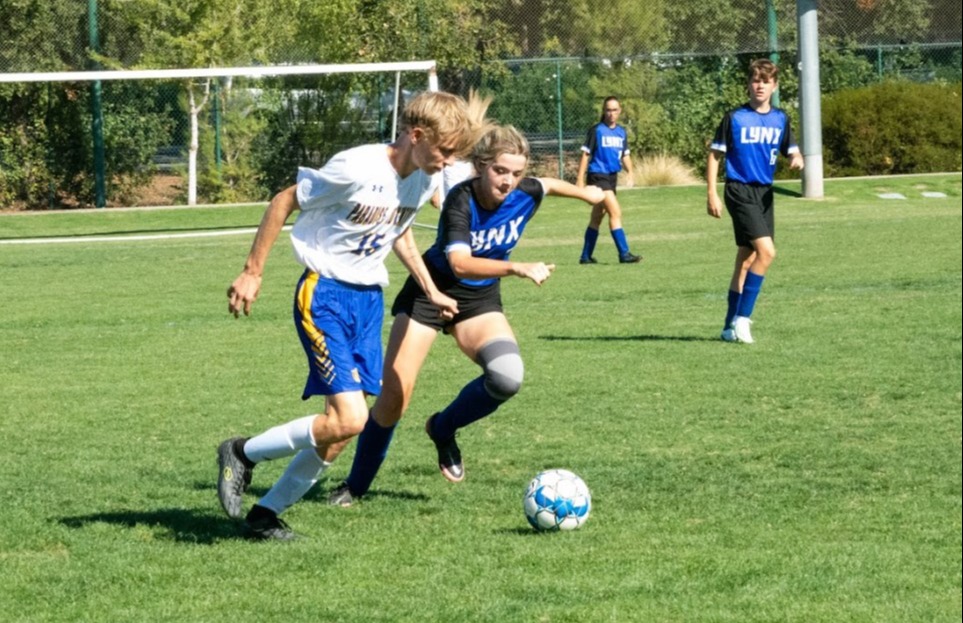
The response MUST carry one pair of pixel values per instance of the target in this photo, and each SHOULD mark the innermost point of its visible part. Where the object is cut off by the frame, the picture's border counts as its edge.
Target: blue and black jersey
(752, 141)
(606, 146)
(491, 234)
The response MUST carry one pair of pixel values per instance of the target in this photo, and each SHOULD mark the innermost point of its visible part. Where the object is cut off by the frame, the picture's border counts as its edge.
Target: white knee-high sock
(280, 441)
(304, 470)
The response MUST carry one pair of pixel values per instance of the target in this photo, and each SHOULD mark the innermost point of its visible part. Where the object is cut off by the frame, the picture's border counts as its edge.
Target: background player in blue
(353, 212)
(750, 137)
(605, 152)
(481, 223)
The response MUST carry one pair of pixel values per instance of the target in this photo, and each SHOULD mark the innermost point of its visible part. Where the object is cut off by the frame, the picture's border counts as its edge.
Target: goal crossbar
(223, 72)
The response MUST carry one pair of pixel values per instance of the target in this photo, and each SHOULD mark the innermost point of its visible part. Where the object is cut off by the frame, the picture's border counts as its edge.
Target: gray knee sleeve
(504, 370)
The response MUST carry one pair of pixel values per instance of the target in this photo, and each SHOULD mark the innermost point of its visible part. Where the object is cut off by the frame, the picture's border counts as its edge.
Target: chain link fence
(675, 66)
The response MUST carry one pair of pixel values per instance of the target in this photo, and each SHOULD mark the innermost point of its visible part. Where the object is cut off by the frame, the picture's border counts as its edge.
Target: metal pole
(96, 111)
(51, 189)
(394, 120)
(811, 114)
(558, 108)
(216, 111)
(773, 42)
(381, 106)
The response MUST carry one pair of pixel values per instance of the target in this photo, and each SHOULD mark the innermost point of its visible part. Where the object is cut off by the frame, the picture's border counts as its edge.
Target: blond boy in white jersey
(353, 210)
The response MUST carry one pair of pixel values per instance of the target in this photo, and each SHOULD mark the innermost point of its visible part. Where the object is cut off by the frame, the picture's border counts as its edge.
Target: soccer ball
(557, 499)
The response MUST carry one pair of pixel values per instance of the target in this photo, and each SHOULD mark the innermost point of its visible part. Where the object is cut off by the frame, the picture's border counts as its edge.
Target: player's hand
(796, 161)
(714, 206)
(447, 306)
(537, 271)
(629, 181)
(242, 294)
(594, 195)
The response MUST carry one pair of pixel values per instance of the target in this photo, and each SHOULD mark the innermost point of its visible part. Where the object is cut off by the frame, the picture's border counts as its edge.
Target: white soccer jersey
(455, 174)
(352, 211)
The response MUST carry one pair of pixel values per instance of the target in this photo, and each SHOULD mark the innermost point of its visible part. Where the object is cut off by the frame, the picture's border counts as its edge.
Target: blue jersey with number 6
(751, 142)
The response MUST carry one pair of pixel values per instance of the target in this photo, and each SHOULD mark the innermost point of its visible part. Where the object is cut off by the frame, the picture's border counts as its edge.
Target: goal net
(185, 136)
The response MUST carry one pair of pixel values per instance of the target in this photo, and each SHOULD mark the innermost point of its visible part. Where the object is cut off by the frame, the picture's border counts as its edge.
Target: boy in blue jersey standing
(750, 137)
(605, 152)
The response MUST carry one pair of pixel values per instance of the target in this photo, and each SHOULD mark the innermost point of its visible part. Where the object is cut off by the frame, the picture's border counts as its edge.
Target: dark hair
(610, 98)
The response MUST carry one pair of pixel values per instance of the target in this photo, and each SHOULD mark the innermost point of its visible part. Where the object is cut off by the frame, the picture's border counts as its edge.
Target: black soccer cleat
(263, 524)
(628, 258)
(587, 260)
(233, 477)
(449, 456)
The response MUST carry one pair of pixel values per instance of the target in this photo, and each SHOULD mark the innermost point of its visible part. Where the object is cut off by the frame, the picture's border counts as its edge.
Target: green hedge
(893, 127)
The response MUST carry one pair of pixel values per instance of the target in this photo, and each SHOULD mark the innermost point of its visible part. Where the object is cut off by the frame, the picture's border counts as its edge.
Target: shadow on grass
(180, 524)
(525, 531)
(785, 192)
(320, 495)
(120, 233)
(627, 338)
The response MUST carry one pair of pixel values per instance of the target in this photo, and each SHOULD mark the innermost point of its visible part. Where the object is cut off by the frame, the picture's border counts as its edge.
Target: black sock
(239, 451)
(260, 512)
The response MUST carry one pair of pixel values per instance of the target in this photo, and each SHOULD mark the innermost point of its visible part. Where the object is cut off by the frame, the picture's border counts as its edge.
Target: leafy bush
(892, 127)
(45, 146)
(694, 96)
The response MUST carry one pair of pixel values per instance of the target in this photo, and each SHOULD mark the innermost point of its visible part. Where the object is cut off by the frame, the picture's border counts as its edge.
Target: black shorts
(750, 207)
(605, 181)
(413, 301)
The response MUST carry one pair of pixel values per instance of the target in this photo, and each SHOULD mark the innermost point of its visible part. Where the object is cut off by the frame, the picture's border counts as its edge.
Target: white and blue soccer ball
(557, 499)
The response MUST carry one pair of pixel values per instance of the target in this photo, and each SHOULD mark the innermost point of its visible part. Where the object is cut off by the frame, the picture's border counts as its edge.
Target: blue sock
(733, 306)
(618, 235)
(472, 404)
(372, 449)
(750, 290)
(591, 237)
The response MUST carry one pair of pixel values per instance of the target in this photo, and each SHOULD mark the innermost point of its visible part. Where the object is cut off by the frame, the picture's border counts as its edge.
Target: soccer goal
(229, 133)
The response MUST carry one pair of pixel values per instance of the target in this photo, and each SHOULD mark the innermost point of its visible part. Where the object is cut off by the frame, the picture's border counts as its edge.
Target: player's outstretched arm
(467, 266)
(538, 272)
(243, 292)
(560, 188)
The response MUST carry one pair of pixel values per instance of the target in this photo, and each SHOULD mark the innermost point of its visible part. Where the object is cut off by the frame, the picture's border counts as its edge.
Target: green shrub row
(892, 127)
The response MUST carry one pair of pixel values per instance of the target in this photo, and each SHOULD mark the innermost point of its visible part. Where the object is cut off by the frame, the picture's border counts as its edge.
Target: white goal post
(208, 73)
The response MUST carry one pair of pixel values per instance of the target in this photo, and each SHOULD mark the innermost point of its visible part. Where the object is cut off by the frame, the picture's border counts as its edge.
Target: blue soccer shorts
(340, 329)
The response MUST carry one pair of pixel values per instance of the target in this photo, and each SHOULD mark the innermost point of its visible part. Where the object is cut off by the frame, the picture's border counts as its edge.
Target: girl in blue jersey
(750, 137)
(605, 152)
(481, 223)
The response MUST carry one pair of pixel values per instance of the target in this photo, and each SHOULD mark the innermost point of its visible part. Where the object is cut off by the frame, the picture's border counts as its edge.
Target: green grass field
(814, 476)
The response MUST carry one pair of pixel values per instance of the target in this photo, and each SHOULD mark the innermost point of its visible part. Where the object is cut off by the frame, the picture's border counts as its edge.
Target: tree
(615, 28)
(203, 33)
(875, 21)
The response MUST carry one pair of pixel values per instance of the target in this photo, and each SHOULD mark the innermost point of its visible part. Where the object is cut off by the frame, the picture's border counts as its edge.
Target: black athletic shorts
(750, 206)
(605, 181)
(413, 301)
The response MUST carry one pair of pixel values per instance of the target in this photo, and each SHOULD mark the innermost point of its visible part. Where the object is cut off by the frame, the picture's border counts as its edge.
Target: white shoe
(728, 335)
(740, 329)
